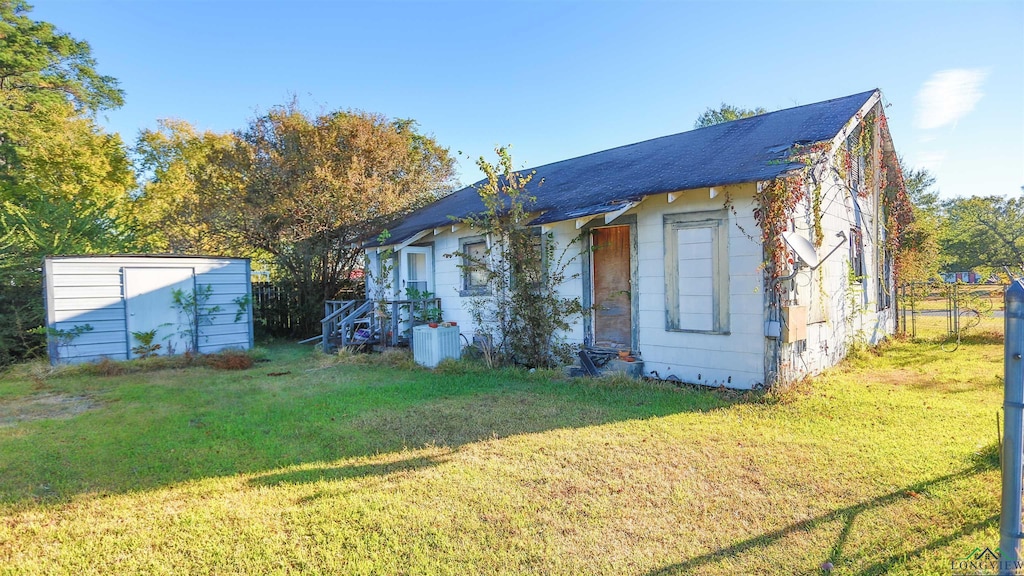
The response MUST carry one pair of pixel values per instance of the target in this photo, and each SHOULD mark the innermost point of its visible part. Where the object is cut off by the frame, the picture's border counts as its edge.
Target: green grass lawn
(885, 465)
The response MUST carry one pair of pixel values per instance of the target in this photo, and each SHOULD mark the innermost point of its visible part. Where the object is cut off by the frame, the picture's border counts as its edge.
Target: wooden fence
(284, 311)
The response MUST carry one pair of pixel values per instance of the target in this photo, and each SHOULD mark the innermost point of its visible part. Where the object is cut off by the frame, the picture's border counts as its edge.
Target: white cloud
(931, 160)
(947, 96)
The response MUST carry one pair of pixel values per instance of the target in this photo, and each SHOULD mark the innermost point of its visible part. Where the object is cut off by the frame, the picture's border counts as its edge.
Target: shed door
(612, 288)
(149, 306)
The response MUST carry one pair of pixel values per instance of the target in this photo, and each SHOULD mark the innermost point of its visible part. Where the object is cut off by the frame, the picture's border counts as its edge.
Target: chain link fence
(960, 305)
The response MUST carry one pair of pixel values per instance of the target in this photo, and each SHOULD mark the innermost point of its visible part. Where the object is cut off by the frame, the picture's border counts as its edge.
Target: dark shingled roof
(747, 150)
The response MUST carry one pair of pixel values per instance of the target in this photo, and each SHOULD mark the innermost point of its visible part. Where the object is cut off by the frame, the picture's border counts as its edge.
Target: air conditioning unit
(431, 345)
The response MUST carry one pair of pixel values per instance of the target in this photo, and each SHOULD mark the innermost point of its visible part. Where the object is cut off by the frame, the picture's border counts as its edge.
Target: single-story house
(702, 238)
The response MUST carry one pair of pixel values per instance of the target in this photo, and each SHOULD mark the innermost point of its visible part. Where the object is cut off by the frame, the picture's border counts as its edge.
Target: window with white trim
(474, 271)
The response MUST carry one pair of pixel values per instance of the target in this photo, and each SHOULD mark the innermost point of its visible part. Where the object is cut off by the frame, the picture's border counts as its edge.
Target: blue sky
(560, 79)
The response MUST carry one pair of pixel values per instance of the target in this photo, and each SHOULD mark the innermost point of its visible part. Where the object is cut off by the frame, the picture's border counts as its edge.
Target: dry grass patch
(43, 406)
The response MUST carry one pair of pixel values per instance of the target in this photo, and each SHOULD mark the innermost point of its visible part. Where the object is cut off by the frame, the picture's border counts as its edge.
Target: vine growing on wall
(816, 214)
(898, 210)
(776, 199)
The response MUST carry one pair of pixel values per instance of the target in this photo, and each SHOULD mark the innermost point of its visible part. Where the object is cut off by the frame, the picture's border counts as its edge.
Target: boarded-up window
(696, 272)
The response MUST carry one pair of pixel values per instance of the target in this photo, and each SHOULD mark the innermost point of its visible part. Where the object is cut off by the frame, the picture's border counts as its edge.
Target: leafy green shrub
(146, 347)
(521, 318)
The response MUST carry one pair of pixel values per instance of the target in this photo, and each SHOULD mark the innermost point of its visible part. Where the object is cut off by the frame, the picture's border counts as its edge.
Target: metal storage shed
(107, 298)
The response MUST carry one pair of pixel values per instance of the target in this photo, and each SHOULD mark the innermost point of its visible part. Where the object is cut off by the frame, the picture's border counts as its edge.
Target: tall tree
(314, 186)
(42, 69)
(40, 65)
(179, 207)
(725, 113)
(50, 147)
(63, 182)
(984, 231)
(919, 240)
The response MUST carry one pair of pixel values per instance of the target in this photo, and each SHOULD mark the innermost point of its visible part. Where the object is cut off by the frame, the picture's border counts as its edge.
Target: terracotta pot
(432, 324)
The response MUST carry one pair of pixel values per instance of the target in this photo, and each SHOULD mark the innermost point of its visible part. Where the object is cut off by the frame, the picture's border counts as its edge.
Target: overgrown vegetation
(194, 313)
(520, 317)
(145, 343)
(64, 182)
(228, 359)
(62, 338)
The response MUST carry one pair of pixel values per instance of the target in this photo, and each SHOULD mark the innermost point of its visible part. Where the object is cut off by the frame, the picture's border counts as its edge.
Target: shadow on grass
(987, 459)
(309, 475)
(160, 429)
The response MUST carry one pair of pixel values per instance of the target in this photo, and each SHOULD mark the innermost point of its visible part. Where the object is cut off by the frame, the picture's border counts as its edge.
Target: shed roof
(746, 150)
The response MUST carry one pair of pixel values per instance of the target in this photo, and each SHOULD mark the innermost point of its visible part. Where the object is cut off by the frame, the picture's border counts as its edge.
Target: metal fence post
(956, 309)
(913, 311)
(1013, 444)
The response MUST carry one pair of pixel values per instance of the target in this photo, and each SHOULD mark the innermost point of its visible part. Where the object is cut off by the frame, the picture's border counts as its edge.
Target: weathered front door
(612, 289)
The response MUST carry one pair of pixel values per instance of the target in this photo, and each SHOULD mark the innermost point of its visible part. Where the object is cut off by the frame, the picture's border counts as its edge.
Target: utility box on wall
(794, 323)
(97, 305)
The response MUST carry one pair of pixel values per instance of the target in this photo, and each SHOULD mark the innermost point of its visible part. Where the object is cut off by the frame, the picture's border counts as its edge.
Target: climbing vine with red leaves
(777, 199)
(898, 209)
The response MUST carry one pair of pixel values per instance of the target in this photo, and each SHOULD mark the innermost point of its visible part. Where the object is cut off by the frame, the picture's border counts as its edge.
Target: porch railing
(358, 322)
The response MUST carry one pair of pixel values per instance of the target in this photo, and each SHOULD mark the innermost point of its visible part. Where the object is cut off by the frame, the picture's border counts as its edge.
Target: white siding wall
(447, 280)
(90, 290)
(840, 312)
(735, 359)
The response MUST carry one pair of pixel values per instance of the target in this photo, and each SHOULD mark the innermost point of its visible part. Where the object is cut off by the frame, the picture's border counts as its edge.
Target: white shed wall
(90, 290)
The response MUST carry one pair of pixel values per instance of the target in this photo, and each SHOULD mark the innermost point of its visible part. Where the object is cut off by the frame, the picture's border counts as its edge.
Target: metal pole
(956, 308)
(949, 308)
(901, 308)
(914, 295)
(1013, 423)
